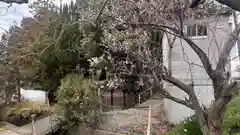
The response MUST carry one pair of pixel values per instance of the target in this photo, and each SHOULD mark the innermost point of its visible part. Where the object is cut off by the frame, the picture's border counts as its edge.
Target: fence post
(139, 99)
(151, 93)
(100, 100)
(33, 124)
(50, 120)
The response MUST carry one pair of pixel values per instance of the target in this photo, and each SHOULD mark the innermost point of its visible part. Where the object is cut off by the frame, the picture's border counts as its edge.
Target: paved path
(123, 118)
(9, 132)
(43, 126)
(9, 129)
(135, 116)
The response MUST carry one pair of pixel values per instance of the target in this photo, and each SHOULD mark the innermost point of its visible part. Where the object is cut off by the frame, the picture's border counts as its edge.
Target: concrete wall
(235, 60)
(31, 95)
(182, 55)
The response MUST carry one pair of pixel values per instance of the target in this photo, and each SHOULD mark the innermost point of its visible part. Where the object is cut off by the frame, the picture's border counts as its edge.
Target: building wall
(182, 55)
(32, 95)
(235, 60)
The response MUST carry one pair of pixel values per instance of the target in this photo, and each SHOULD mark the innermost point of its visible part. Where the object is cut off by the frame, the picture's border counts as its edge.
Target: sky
(15, 13)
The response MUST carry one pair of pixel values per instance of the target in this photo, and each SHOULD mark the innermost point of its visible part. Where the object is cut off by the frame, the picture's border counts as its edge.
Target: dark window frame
(197, 30)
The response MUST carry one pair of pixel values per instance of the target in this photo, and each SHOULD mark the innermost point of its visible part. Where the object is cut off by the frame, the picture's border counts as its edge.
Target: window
(196, 30)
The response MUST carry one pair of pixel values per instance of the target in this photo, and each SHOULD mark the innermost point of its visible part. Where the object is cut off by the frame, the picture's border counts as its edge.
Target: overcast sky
(15, 13)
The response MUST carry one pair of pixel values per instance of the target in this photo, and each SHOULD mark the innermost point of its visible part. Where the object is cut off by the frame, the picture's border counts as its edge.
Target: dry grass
(175, 131)
(24, 109)
(2, 129)
(2, 126)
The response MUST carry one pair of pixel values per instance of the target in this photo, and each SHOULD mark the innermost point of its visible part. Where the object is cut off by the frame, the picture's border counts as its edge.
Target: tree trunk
(213, 127)
(18, 90)
(212, 131)
(18, 86)
(170, 60)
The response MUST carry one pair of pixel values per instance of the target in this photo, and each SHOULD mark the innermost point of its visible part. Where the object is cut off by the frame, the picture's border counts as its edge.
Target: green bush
(77, 101)
(191, 127)
(231, 123)
(20, 113)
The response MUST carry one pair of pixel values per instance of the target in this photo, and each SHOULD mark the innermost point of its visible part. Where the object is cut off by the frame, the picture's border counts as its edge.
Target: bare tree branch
(170, 45)
(201, 54)
(193, 101)
(101, 10)
(229, 89)
(231, 42)
(167, 95)
(220, 105)
(177, 100)
(188, 89)
(186, 59)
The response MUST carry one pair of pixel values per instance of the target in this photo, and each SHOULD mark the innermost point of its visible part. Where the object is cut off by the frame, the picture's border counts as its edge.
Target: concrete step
(136, 116)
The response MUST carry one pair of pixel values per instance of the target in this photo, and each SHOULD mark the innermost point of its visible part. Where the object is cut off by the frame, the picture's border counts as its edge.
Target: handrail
(139, 95)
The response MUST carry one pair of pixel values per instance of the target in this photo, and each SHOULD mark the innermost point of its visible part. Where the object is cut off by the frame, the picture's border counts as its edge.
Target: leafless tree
(143, 17)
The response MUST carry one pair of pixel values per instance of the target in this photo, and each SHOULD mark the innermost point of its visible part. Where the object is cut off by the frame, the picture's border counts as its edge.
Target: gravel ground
(140, 129)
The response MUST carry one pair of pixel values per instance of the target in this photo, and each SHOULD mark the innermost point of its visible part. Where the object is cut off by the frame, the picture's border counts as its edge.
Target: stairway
(136, 117)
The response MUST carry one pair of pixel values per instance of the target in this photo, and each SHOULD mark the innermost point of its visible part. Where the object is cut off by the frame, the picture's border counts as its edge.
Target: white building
(209, 34)
(32, 95)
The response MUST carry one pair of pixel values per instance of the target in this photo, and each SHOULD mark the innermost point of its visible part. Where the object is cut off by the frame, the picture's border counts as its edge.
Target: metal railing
(53, 126)
(140, 94)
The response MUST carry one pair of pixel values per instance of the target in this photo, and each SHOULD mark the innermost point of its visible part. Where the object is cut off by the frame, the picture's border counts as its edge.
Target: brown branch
(192, 97)
(154, 26)
(224, 99)
(100, 12)
(186, 88)
(180, 101)
(229, 89)
(202, 56)
(186, 59)
(231, 42)
(167, 95)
